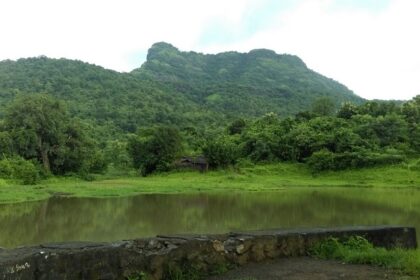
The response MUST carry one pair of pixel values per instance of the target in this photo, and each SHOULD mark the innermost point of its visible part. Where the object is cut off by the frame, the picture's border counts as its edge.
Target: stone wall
(164, 257)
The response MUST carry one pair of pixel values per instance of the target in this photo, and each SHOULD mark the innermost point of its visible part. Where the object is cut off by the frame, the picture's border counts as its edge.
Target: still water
(71, 219)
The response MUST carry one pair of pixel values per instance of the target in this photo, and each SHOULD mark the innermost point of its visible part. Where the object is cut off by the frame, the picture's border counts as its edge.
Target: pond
(109, 219)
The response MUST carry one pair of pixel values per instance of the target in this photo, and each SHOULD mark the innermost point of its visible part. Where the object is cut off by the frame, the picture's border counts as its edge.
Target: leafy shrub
(184, 271)
(221, 152)
(116, 153)
(155, 149)
(262, 151)
(327, 249)
(20, 169)
(236, 127)
(27, 172)
(358, 243)
(358, 250)
(6, 169)
(326, 160)
(96, 163)
(322, 160)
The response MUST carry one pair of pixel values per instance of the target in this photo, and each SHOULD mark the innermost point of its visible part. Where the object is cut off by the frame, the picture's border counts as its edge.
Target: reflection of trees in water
(19, 222)
(64, 219)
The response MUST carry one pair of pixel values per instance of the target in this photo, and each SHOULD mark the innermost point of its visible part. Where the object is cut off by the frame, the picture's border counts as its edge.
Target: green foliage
(358, 250)
(183, 271)
(139, 276)
(155, 149)
(6, 144)
(326, 160)
(95, 162)
(352, 140)
(411, 113)
(378, 108)
(227, 82)
(322, 160)
(213, 101)
(327, 249)
(334, 248)
(17, 168)
(80, 153)
(114, 102)
(347, 110)
(262, 138)
(39, 128)
(116, 153)
(220, 268)
(236, 127)
(323, 106)
(251, 177)
(221, 152)
(390, 129)
(173, 88)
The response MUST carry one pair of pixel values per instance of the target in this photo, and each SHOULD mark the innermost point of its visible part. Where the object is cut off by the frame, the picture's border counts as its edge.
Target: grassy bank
(253, 178)
(358, 250)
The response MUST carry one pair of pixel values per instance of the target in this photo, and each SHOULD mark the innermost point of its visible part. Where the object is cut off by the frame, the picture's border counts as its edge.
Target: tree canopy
(62, 116)
(173, 88)
(40, 128)
(155, 149)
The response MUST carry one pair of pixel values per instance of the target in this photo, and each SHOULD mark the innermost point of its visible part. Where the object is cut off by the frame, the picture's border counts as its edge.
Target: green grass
(138, 276)
(358, 250)
(271, 177)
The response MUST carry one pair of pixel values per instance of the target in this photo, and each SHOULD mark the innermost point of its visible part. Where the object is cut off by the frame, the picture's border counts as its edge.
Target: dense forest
(63, 117)
(174, 88)
(242, 85)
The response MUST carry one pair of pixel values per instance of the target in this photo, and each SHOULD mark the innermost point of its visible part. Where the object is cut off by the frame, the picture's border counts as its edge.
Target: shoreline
(258, 178)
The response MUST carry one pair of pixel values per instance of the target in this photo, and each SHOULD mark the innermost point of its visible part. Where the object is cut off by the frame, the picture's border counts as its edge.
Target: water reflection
(67, 219)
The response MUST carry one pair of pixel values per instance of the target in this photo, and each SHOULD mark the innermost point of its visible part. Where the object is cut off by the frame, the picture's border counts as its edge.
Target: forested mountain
(106, 97)
(173, 87)
(247, 84)
(61, 117)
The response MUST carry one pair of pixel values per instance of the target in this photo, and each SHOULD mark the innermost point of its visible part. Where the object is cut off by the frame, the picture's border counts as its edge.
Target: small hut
(198, 163)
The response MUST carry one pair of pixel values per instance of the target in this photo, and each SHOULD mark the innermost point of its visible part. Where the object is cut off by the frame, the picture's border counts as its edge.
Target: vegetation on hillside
(356, 136)
(242, 84)
(114, 102)
(62, 117)
(172, 88)
(262, 121)
(38, 130)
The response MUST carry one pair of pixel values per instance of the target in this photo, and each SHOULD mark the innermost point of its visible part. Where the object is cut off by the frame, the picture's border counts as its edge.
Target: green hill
(173, 87)
(106, 97)
(248, 84)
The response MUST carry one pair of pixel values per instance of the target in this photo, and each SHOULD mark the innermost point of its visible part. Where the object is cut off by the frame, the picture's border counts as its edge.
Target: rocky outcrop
(166, 257)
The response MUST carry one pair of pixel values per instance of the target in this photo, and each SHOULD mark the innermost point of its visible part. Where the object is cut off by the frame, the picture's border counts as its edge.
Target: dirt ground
(308, 269)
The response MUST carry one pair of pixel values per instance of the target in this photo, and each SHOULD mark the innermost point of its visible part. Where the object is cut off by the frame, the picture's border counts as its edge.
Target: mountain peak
(291, 60)
(175, 87)
(160, 48)
(263, 53)
(259, 74)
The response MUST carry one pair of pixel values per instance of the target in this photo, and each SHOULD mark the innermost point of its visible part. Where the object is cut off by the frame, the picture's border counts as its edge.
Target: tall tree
(155, 149)
(37, 124)
(41, 129)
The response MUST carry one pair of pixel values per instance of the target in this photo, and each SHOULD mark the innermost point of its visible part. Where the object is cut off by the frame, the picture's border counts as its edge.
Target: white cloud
(104, 32)
(373, 53)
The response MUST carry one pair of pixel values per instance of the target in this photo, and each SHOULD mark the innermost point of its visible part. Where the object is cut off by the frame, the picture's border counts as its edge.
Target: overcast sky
(371, 46)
